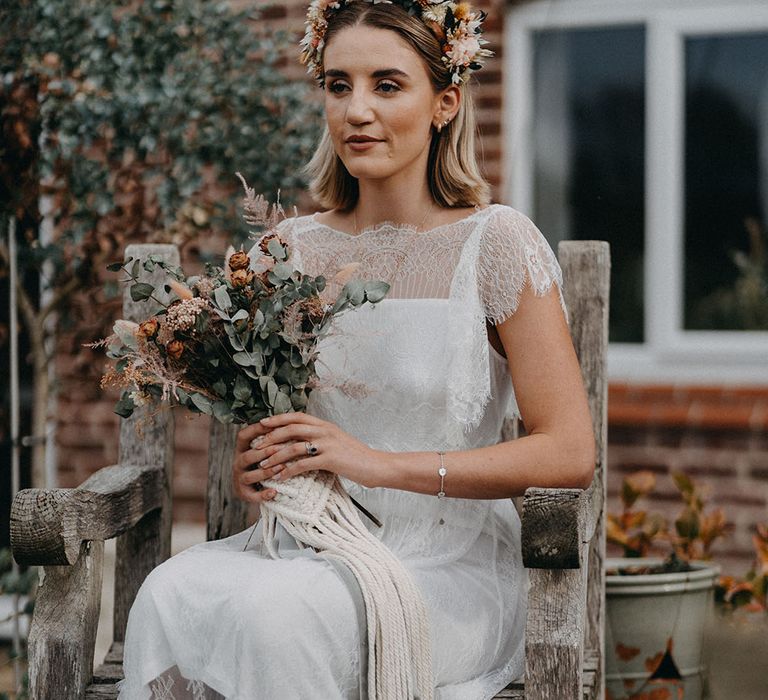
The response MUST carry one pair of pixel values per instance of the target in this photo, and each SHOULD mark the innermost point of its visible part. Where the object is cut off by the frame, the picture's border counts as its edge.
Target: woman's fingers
(287, 433)
(248, 433)
(256, 475)
(252, 496)
(286, 453)
(291, 417)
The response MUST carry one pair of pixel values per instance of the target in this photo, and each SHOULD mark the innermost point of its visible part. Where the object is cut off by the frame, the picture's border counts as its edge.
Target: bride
(412, 396)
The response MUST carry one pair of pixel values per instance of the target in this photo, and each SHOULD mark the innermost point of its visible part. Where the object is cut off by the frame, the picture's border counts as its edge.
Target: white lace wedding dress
(413, 373)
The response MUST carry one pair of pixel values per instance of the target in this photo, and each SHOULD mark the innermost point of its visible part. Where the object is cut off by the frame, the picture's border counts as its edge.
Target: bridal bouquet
(238, 342)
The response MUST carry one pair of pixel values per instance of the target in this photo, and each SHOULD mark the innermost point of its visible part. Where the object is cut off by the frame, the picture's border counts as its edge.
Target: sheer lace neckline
(383, 225)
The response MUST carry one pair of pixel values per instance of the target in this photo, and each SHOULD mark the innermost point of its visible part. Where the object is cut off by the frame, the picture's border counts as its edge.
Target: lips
(362, 139)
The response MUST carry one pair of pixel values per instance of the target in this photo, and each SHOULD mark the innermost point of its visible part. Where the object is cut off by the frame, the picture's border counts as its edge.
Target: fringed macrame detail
(316, 510)
(162, 688)
(197, 688)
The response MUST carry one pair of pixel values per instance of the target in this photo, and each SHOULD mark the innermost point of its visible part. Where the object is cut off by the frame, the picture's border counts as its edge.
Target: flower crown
(455, 24)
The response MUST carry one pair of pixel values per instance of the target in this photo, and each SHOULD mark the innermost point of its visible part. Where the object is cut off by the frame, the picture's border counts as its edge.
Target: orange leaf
(626, 653)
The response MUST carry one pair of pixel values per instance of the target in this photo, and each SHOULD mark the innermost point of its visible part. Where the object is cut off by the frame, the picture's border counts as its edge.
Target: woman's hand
(337, 451)
(245, 479)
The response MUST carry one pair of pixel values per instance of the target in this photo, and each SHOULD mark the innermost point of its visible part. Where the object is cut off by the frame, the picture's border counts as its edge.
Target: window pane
(588, 143)
(726, 182)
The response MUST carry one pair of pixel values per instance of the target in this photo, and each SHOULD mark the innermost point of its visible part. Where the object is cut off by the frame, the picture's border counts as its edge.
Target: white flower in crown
(463, 51)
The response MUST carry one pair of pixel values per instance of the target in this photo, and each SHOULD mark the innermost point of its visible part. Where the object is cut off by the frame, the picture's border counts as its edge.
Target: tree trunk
(40, 397)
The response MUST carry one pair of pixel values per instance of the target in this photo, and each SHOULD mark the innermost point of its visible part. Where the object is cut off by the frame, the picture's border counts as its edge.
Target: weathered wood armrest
(554, 535)
(553, 528)
(48, 526)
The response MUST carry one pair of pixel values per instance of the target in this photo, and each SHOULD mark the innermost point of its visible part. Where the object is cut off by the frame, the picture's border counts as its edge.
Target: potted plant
(657, 607)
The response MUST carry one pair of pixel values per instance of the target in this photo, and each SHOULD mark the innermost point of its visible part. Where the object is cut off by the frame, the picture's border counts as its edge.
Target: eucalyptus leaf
(221, 296)
(141, 291)
(282, 403)
(242, 390)
(276, 250)
(222, 412)
(355, 292)
(244, 359)
(202, 402)
(376, 291)
(125, 406)
(272, 392)
(126, 335)
(282, 271)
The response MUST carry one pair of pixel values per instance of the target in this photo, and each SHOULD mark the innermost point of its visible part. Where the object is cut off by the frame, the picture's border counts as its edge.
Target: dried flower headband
(455, 24)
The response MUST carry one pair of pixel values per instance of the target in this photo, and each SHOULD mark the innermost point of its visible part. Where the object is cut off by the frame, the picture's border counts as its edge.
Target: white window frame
(669, 353)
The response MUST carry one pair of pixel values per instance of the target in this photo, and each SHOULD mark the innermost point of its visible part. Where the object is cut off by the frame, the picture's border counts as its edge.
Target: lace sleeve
(512, 252)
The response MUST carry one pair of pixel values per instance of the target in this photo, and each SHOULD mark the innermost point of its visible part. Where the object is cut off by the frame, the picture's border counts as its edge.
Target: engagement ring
(311, 449)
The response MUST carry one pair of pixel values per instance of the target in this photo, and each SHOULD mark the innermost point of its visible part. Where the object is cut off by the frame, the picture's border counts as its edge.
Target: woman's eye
(337, 87)
(389, 87)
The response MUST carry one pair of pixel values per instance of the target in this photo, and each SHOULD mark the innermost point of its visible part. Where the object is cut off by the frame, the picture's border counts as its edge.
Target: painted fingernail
(263, 463)
(277, 477)
(264, 421)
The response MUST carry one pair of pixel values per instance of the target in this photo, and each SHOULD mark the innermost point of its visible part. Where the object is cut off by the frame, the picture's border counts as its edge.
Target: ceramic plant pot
(654, 630)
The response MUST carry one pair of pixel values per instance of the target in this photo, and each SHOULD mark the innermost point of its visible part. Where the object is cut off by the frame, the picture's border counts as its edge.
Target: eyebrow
(381, 73)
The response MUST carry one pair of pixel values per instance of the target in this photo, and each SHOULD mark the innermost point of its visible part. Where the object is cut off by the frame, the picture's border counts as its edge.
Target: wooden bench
(63, 530)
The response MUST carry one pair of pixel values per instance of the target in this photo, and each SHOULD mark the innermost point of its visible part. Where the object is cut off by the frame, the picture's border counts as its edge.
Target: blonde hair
(452, 170)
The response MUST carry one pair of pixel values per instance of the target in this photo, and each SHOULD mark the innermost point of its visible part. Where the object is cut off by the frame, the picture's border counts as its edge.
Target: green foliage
(238, 343)
(695, 528)
(140, 104)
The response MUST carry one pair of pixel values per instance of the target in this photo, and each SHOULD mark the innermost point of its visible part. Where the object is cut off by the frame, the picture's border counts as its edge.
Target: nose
(359, 109)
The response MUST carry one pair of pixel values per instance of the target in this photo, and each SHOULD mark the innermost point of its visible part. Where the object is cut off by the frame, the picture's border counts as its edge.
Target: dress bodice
(416, 372)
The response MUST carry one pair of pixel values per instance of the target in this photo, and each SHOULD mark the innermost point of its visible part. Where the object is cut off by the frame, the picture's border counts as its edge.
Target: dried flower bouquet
(238, 342)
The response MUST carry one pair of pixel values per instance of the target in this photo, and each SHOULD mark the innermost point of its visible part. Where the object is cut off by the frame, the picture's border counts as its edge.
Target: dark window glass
(589, 153)
(726, 182)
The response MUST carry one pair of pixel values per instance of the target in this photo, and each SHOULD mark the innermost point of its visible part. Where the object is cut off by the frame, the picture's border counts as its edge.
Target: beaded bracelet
(442, 472)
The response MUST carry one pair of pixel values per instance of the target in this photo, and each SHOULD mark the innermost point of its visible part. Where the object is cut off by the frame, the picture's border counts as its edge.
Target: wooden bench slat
(108, 673)
(115, 654)
(101, 692)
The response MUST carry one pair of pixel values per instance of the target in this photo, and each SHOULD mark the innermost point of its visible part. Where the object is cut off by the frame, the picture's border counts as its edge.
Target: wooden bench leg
(63, 632)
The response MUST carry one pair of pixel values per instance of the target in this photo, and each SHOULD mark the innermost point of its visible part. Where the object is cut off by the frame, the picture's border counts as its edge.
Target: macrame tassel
(316, 510)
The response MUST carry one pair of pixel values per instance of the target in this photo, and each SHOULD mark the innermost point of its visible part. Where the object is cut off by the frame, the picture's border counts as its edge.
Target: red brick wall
(717, 434)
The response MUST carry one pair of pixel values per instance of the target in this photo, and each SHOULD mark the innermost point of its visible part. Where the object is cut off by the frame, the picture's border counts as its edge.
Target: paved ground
(736, 646)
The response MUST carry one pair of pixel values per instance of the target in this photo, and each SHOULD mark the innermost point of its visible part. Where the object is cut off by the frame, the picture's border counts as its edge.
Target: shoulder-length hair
(452, 170)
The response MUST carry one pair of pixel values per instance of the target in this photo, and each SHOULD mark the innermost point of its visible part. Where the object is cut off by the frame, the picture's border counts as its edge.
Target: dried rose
(239, 260)
(175, 349)
(265, 241)
(149, 328)
(240, 278)
(264, 278)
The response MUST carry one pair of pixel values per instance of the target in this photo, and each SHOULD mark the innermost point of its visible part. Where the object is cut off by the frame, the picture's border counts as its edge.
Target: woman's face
(379, 102)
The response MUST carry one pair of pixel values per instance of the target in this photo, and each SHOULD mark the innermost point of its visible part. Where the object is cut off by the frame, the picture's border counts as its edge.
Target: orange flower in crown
(455, 24)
